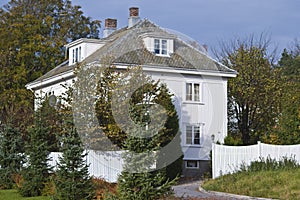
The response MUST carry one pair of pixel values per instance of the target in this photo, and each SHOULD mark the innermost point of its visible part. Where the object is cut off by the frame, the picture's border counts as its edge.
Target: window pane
(189, 92)
(156, 46)
(189, 134)
(76, 54)
(73, 57)
(196, 135)
(192, 163)
(79, 57)
(164, 47)
(196, 92)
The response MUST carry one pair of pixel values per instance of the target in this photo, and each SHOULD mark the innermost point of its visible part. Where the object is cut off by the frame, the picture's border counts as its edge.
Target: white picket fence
(102, 164)
(228, 159)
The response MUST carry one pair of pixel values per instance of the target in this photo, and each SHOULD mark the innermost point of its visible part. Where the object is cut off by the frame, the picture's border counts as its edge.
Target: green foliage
(139, 180)
(279, 184)
(269, 164)
(103, 106)
(263, 178)
(32, 35)
(254, 95)
(269, 178)
(37, 171)
(288, 128)
(233, 141)
(11, 157)
(14, 195)
(53, 119)
(144, 186)
(72, 181)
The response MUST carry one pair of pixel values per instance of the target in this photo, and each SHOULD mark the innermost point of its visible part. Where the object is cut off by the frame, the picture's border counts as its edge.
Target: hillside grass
(268, 179)
(14, 195)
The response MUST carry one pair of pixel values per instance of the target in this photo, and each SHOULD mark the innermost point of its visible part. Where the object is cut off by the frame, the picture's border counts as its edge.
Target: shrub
(285, 163)
(103, 188)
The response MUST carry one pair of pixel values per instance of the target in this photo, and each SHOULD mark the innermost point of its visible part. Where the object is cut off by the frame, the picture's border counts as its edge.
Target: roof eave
(35, 85)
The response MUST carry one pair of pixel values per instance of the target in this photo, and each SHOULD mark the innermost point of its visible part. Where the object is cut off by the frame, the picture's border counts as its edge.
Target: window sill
(193, 102)
(162, 55)
(193, 145)
(191, 167)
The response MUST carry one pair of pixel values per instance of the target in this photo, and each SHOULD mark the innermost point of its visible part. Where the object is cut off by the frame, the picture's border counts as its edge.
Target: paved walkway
(191, 190)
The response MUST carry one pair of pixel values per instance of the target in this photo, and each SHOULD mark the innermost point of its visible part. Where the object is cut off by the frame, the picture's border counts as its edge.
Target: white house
(198, 82)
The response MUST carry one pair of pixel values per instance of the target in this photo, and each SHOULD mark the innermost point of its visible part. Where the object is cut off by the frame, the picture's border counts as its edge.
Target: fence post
(259, 149)
(213, 157)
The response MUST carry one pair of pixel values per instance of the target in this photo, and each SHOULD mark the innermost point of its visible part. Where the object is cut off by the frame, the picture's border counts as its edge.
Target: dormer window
(160, 46)
(76, 56)
(82, 48)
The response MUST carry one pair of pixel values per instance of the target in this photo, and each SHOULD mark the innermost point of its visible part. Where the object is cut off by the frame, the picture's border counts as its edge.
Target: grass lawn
(14, 195)
(278, 184)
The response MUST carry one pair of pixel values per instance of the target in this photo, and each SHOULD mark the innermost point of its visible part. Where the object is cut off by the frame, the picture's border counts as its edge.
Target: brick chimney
(110, 27)
(133, 16)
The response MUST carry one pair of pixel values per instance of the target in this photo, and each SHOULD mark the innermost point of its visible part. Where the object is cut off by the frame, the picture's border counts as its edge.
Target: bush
(269, 164)
(103, 188)
(233, 141)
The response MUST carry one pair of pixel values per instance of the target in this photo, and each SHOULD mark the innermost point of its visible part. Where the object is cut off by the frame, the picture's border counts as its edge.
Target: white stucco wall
(210, 112)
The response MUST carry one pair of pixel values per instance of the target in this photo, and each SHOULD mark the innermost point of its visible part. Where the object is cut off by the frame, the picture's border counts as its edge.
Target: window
(191, 164)
(193, 92)
(79, 57)
(192, 134)
(156, 46)
(73, 57)
(160, 46)
(76, 56)
(164, 47)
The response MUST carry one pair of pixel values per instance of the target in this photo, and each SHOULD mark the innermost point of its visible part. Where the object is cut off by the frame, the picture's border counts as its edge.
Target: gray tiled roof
(126, 46)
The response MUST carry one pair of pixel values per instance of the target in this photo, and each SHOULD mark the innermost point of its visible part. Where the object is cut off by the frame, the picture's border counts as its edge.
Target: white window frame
(191, 95)
(188, 167)
(192, 137)
(160, 47)
(76, 55)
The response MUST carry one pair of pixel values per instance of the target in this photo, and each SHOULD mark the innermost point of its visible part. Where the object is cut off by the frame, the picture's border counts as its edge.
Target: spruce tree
(72, 181)
(156, 125)
(37, 171)
(11, 157)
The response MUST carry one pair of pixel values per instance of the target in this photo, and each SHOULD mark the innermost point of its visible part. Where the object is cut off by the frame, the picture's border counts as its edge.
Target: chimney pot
(134, 12)
(110, 27)
(133, 16)
(110, 23)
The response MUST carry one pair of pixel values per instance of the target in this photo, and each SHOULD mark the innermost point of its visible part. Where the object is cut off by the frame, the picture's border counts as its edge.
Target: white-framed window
(160, 47)
(192, 92)
(193, 134)
(76, 55)
(73, 56)
(194, 164)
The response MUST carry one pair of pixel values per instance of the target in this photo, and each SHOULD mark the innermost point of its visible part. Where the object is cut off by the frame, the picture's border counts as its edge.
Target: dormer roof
(126, 47)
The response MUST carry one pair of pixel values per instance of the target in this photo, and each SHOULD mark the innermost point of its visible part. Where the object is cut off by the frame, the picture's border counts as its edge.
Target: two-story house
(198, 82)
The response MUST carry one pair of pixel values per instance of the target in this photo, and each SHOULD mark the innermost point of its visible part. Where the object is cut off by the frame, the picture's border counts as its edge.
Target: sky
(208, 21)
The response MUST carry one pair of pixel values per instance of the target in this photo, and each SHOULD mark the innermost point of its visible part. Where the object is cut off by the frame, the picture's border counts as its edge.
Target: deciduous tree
(254, 95)
(32, 35)
(288, 129)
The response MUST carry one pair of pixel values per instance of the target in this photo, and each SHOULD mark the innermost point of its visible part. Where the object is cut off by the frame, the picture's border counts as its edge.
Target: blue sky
(208, 21)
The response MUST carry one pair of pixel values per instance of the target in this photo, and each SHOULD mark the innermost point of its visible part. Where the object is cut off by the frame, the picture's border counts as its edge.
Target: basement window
(192, 164)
